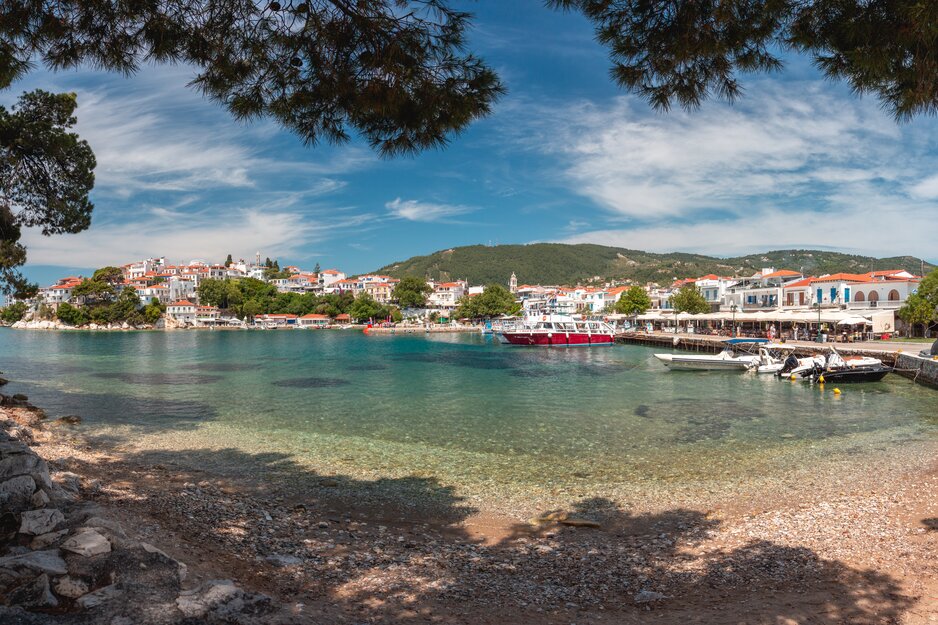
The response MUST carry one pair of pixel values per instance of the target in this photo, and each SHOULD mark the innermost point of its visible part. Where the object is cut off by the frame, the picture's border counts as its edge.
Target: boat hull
(558, 339)
(683, 363)
(854, 374)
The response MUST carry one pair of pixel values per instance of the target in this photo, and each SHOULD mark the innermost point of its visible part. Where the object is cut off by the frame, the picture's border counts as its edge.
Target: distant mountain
(558, 263)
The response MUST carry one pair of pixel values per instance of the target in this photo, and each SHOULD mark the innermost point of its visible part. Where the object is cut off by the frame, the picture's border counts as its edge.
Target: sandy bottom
(838, 542)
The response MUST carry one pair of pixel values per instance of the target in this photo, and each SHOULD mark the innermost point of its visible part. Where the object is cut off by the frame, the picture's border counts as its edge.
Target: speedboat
(553, 330)
(771, 358)
(850, 369)
(727, 360)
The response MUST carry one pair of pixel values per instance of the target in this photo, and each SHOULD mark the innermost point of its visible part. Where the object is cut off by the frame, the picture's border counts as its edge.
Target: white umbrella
(855, 321)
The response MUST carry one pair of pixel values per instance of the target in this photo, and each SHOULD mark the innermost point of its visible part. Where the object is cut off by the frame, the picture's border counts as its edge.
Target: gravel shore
(841, 548)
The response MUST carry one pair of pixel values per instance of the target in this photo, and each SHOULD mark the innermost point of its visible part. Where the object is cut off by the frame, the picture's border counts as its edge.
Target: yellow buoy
(821, 380)
(836, 391)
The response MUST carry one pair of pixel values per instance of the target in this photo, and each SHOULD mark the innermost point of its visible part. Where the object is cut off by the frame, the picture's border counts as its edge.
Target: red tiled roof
(845, 277)
(312, 316)
(782, 273)
(800, 283)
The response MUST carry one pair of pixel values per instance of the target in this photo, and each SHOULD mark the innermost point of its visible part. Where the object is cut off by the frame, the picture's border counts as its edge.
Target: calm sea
(489, 420)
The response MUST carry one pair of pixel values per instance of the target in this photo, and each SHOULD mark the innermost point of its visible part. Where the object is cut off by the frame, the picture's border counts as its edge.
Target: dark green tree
(93, 292)
(392, 71)
(46, 172)
(411, 292)
(364, 308)
(685, 52)
(153, 311)
(316, 268)
(71, 315)
(922, 306)
(110, 275)
(494, 300)
(229, 261)
(13, 312)
(689, 299)
(633, 302)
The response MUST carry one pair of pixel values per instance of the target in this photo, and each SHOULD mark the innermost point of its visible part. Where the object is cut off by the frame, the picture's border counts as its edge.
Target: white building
(445, 295)
(182, 311)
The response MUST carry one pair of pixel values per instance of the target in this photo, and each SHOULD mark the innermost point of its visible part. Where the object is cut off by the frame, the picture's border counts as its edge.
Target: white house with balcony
(883, 292)
(182, 312)
(445, 295)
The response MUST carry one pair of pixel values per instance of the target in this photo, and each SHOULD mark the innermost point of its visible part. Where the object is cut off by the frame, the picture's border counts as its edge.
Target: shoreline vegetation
(308, 547)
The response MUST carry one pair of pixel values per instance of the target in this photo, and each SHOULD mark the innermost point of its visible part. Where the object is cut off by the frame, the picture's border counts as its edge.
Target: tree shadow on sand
(399, 550)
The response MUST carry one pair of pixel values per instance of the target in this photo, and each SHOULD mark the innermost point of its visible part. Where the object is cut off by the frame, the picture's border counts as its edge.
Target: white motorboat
(771, 357)
(727, 360)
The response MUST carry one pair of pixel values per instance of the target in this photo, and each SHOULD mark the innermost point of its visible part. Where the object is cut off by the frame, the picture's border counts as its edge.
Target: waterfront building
(445, 295)
(313, 321)
(764, 290)
(182, 312)
(207, 316)
(275, 320)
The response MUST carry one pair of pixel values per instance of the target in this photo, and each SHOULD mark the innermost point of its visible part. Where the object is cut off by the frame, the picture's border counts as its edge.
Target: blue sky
(566, 156)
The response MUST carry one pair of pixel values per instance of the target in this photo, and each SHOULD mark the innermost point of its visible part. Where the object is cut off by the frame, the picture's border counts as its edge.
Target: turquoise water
(490, 419)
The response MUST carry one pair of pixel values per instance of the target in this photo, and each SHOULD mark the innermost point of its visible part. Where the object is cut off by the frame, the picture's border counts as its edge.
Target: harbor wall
(918, 369)
(697, 343)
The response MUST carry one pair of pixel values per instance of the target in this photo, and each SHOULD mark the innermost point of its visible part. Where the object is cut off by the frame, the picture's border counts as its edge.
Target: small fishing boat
(726, 360)
(553, 330)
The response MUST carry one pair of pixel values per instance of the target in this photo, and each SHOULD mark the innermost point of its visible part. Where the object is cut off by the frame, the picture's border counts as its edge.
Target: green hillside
(558, 263)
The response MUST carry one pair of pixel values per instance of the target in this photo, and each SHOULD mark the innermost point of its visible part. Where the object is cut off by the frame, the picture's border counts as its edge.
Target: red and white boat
(559, 331)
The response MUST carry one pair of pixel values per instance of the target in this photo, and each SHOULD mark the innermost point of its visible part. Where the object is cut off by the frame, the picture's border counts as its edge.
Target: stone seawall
(921, 370)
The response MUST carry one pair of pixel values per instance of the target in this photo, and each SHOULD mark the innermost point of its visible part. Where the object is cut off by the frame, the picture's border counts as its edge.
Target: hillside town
(175, 289)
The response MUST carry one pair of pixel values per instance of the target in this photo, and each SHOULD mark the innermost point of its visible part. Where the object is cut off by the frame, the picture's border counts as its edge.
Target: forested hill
(558, 263)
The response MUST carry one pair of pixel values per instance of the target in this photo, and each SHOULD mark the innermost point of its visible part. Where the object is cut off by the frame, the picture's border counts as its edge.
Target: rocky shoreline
(65, 559)
(126, 538)
(55, 324)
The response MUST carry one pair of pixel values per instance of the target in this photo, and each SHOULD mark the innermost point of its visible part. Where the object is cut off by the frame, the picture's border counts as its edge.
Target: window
(874, 296)
(894, 296)
(859, 297)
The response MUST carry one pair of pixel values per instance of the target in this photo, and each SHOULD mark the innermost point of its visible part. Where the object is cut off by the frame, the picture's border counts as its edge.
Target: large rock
(36, 522)
(34, 595)
(87, 542)
(16, 493)
(45, 540)
(40, 561)
(220, 601)
(16, 458)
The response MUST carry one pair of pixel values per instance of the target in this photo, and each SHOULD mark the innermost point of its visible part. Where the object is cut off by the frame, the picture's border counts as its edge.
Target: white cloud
(640, 165)
(414, 210)
(208, 235)
(792, 165)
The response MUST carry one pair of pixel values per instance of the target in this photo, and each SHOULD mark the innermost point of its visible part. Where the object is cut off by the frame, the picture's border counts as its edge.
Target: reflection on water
(462, 405)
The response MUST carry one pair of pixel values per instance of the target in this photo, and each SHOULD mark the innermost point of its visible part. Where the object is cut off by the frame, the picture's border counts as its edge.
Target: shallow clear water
(460, 408)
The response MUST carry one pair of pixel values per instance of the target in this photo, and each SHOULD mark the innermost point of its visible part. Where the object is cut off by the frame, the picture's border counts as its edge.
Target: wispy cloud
(414, 210)
(793, 165)
(208, 235)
